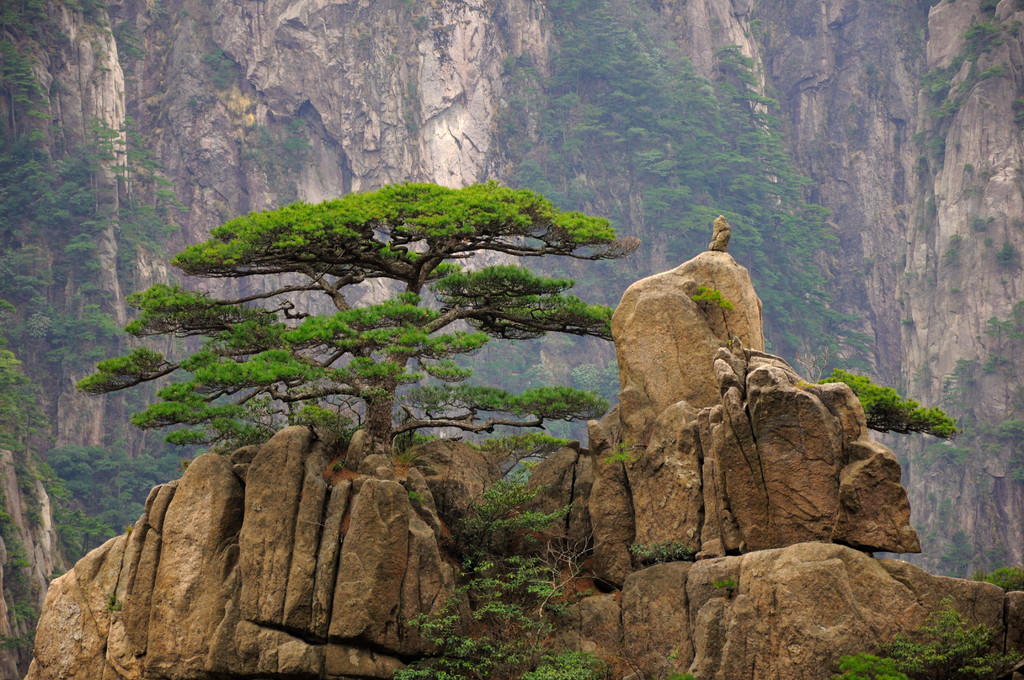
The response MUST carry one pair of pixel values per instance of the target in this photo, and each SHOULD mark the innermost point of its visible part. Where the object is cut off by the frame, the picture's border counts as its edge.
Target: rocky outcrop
(279, 574)
(29, 557)
(783, 613)
(720, 448)
(662, 334)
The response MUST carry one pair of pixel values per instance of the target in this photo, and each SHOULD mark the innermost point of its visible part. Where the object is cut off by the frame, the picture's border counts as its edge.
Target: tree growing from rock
(887, 411)
(268, 354)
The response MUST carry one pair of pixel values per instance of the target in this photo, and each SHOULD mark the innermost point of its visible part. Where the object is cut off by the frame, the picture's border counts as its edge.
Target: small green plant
(1007, 256)
(706, 297)
(223, 70)
(658, 553)
(868, 667)
(725, 584)
(113, 604)
(568, 666)
(622, 454)
(416, 498)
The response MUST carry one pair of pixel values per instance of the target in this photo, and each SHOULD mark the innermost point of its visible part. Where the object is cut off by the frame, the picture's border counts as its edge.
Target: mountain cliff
(133, 128)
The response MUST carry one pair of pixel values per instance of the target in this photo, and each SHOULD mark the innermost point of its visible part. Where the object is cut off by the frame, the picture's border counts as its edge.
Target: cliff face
(251, 105)
(923, 205)
(29, 558)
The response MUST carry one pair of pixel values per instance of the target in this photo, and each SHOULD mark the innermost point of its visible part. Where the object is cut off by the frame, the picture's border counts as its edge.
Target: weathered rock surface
(661, 334)
(566, 478)
(277, 576)
(781, 613)
(29, 555)
(719, 448)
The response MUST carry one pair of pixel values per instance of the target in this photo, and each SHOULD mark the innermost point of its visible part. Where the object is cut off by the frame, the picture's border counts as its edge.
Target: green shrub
(707, 297)
(658, 553)
(947, 648)
(1007, 578)
(868, 667)
(568, 666)
(494, 625)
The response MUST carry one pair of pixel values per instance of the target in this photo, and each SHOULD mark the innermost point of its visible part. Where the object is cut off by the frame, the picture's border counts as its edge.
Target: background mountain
(868, 154)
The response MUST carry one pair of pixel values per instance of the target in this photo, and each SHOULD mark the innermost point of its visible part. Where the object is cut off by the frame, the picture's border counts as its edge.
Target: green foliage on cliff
(946, 647)
(1007, 578)
(260, 364)
(496, 624)
(627, 126)
(20, 416)
(887, 411)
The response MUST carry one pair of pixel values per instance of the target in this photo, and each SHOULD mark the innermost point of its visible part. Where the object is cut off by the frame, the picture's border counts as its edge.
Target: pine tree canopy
(304, 344)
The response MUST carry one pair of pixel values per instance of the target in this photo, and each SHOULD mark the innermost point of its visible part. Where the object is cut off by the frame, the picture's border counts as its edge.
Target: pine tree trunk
(378, 419)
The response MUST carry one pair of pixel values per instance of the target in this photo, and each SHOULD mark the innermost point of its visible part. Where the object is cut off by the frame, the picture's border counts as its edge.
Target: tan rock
(273, 492)
(874, 513)
(344, 662)
(423, 501)
(661, 334)
(665, 483)
(594, 625)
(456, 473)
(71, 635)
(844, 406)
(794, 611)
(129, 635)
(720, 235)
(799, 444)
(327, 559)
(198, 551)
(359, 447)
(428, 583)
(655, 621)
(374, 556)
(565, 477)
(298, 602)
(611, 507)
(743, 503)
(978, 602)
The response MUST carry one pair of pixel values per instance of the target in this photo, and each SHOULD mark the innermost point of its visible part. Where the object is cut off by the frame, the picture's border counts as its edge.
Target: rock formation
(720, 236)
(417, 92)
(252, 565)
(723, 447)
(29, 556)
(267, 564)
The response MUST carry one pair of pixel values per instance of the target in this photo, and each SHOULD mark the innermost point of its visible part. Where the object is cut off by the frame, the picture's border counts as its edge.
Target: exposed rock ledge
(259, 570)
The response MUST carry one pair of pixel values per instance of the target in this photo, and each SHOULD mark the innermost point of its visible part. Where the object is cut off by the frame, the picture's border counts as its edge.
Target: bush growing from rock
(658, 553)
(1007, 578)
(944, 648)
(495, 624)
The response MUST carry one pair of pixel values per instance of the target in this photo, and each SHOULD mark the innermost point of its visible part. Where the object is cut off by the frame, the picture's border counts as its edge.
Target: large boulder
(666, 342)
